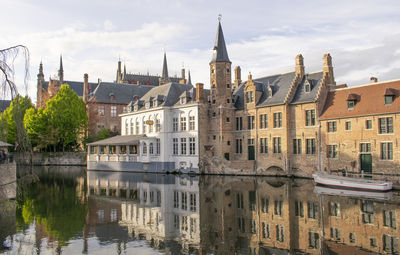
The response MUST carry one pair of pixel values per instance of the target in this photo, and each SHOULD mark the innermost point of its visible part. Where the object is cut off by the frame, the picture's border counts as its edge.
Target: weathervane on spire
(219, 17)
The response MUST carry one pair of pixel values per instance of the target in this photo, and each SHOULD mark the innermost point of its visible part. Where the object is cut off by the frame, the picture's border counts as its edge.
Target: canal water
(67, 210)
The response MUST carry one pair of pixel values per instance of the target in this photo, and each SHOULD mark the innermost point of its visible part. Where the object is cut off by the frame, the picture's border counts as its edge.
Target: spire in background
(61, 70)
(164, 75)
(220, 53)
(189, 78)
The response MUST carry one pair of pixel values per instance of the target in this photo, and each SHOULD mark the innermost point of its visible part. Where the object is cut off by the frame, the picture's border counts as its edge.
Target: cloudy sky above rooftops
(263, 37)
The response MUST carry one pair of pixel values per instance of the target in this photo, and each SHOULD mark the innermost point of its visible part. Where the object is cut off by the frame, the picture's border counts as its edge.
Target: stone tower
(40, 81)
(221, 108)
(164, 76)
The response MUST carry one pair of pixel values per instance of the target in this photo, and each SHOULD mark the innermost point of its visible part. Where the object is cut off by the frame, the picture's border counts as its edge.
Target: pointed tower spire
(189, 79)
(124, 75)
(41, 69)
(220, 54)
(61, 70)
(165, 68)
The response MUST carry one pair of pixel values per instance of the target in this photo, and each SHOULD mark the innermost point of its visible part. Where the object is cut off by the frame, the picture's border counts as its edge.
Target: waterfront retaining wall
(53, 158)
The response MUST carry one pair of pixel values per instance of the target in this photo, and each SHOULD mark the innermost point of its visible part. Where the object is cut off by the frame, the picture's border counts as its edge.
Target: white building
(160, 132)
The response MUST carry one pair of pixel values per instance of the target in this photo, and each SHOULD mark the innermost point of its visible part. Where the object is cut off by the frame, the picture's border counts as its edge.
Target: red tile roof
(370, 100)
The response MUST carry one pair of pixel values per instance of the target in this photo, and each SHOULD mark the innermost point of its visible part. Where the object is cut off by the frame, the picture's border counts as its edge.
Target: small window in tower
(213, 101)
(228, 86)
(227, 101)
(228, 120)
(227, 70)
(214, 114)
(213, 86)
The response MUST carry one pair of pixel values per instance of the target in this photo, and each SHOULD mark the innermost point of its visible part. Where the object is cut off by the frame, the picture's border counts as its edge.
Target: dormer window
(389, 96)
(388, 99)
(249, 97)
(136, 107)
(307, 87)
(111, 96)
(183, 100)
(350, 104)
(148, 105)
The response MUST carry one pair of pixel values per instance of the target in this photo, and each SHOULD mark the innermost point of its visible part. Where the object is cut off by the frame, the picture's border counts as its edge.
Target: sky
(262, 37)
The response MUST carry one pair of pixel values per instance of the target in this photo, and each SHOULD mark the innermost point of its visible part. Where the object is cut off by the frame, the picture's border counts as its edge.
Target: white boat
(345, 182)
(366, 194)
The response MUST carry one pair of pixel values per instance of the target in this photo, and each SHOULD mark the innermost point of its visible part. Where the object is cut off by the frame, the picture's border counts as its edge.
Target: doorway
(366, 163)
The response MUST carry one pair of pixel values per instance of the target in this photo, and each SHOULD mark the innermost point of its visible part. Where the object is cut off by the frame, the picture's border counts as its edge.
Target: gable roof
(153, 80)
(76, 86)
(123, 93)
(301, 96)
(370, 100)
(170, 91)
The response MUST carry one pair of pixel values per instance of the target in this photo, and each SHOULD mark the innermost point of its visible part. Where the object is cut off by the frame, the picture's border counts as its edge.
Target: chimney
(199, 92)
(85, 87)
(328, 69)
(238, 75)
(299, 65)
(373, 79)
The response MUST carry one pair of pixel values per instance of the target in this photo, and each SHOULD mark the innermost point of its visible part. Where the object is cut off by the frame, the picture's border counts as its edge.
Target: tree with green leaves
(9, 118)
(61, 124)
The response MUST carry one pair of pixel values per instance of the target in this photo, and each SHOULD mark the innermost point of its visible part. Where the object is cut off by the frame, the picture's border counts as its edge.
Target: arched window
(144, 149)
(151, 149)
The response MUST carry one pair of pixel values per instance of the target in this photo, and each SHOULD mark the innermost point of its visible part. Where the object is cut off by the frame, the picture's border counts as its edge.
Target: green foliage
(61, 124)
(103, 134)
(12, 115)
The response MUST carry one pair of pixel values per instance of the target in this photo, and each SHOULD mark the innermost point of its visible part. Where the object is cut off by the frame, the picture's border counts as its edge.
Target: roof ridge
(368, 84)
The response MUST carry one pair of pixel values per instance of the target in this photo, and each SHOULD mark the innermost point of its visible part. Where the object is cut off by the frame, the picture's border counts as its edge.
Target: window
(252, 200)
(350, 104)
(298, 209)
(250, 122)
(263, 145)
(388, 100)
(277, 145)
(101, 110)
(151, 149)
(183, 146)
(158, 125)
(144, 149)
(253, 226)
(158, 146)
(150, 126)
(239, 123)
(348, 125)
(175, 146)
(372, 242)
(352, 238)
(310, 149)
(132, 127)
(334, 209)
(239, 200)
(367, 209)
(143, 126)
(192, 146)
(335, 233)
(263, 121)
(183, 201)
(312, 210)
(387, 151)
(365, 147)
(280, 233)
(175, 124)
(313, 240)
(331, 126)
(193, 225)
(368, 124)
(266, 230)
(183, 123)
(307, 87)
(228, 85)
(391, 244)
(113, 111)
(278, 207)
(386, 125)
(137, 127)
(192, 123)
(176, 199)
(184, 226)
(228, 119)
(264, 205)
(389, 219)
(249, 96)
(241, 224)
(193, 203)
(239, 146)
(332, 151)
(126, 127)
(296, 146)
(277, 120)
(310, 118)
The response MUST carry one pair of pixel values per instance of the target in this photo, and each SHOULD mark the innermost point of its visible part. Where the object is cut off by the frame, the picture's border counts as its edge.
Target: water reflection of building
(278, 216)
(163, 209)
